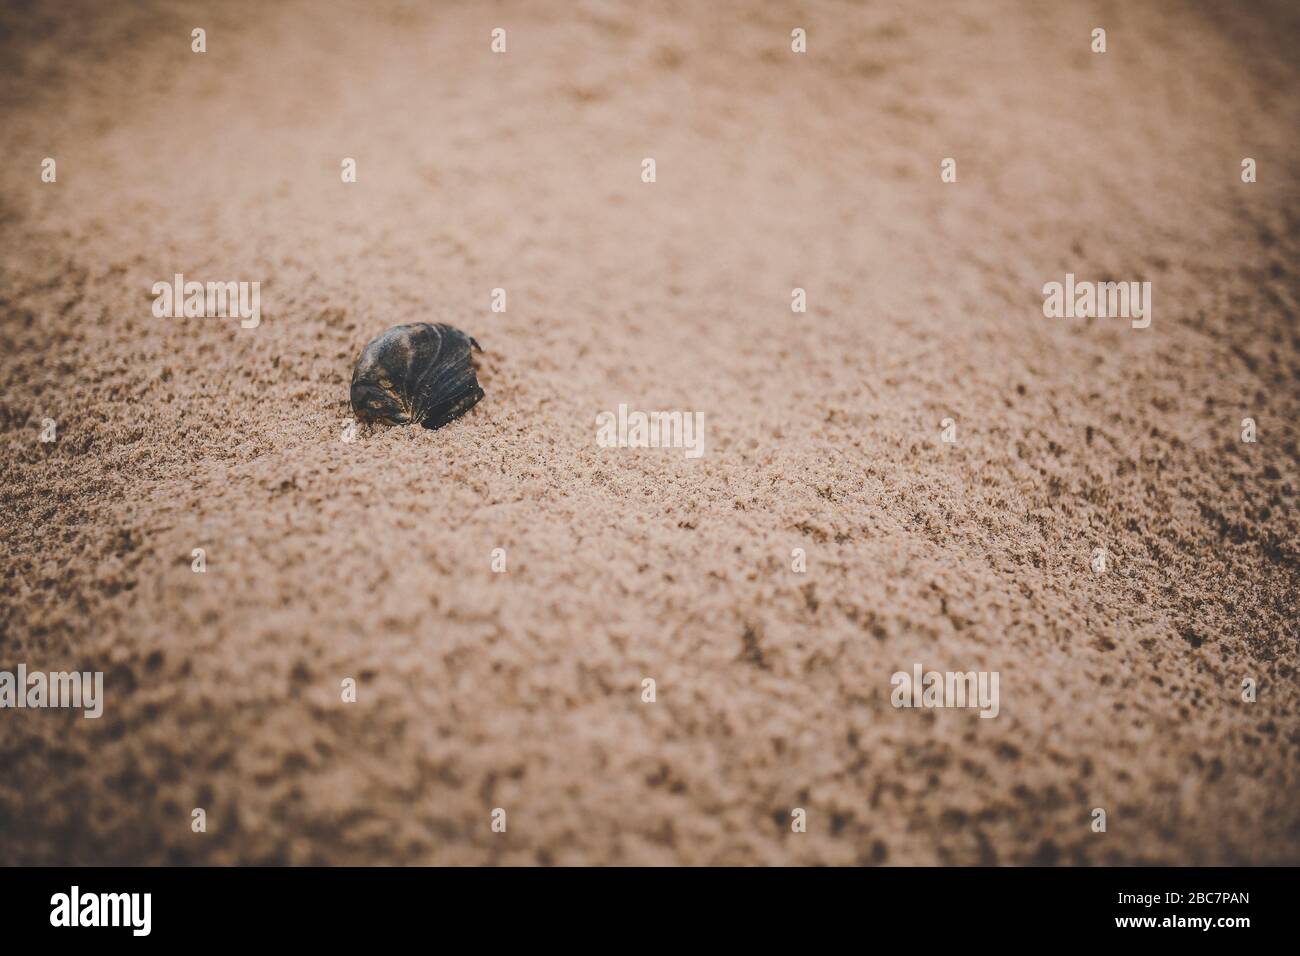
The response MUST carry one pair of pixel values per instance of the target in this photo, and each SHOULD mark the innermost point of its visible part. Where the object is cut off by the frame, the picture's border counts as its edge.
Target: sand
(372, 559)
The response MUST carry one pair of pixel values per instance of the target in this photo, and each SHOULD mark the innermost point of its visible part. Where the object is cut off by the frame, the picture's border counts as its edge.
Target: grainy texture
(521, 690)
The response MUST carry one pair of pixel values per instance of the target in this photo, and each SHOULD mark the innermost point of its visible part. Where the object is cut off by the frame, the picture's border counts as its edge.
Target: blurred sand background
(522, 690)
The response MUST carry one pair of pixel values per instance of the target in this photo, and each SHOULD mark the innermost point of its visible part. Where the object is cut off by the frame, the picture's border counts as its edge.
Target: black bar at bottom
(331, 906)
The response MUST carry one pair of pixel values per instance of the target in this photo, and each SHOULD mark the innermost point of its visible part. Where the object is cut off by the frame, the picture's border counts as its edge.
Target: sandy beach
(371, 559)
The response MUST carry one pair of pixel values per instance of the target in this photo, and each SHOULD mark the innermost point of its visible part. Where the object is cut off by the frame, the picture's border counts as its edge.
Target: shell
(416, 374)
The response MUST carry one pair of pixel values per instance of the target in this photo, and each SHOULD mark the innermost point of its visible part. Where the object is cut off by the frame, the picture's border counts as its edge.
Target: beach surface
(371, 560)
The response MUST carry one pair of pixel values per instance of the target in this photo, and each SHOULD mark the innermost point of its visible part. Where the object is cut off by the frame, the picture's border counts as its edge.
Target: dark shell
(420, 373)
